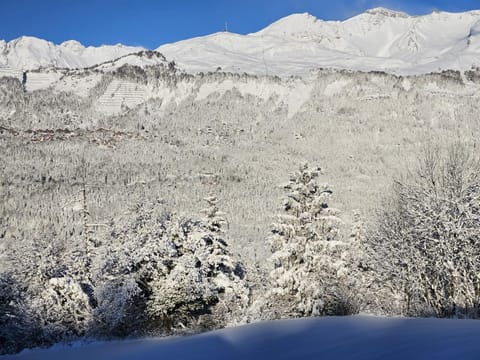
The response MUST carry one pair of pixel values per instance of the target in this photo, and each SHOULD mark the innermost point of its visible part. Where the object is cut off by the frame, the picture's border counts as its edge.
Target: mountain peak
(27, 40)
(386, 12)
(292, 24)
(296, 19)
(73, 45)
(299, 16)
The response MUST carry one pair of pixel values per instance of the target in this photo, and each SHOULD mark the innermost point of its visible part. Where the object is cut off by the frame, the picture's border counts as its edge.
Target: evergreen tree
(173, 273)
(307, 252)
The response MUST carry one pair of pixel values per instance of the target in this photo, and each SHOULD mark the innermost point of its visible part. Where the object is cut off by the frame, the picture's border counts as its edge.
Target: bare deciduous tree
(426, 244)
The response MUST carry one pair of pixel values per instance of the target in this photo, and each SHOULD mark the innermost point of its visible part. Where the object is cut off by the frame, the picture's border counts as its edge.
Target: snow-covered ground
(358, 337)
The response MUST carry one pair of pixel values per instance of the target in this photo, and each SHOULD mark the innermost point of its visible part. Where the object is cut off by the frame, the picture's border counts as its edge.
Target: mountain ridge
(29, 53)
(378, 39)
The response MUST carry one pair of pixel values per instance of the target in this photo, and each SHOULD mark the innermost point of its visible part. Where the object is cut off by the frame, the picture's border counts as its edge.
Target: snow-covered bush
(426, 246)
(49, 300)
(309, 258)
(17, 330)
(164, 273)
(62, 310)
(120, 306)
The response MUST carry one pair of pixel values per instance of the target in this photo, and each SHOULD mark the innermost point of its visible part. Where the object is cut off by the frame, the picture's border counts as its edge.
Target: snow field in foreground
(355, 337)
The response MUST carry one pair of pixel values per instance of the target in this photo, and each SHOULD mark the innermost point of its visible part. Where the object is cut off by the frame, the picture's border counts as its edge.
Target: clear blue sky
(151, 23)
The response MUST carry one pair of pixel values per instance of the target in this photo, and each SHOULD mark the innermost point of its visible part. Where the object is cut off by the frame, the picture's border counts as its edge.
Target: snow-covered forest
(222, 199)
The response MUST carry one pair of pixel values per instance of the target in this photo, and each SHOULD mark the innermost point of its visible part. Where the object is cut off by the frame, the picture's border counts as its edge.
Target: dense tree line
(160, 273)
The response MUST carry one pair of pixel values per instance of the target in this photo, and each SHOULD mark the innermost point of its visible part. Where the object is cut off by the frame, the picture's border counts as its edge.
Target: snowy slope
(27, 53)
(302, 339)
(379, 39)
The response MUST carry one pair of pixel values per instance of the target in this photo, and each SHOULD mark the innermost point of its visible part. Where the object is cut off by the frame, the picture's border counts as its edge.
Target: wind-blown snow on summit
(379, 39)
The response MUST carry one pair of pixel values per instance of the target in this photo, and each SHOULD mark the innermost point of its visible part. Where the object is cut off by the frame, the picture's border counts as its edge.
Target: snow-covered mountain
(379, 39)
(28, 53)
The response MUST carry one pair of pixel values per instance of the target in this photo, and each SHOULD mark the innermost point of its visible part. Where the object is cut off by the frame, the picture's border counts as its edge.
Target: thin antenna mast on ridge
(226, 27)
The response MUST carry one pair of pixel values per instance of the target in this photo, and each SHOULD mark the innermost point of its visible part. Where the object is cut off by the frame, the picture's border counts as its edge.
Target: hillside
(238, 136)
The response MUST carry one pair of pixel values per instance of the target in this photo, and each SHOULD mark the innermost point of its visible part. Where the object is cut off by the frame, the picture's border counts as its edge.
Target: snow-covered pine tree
(206, 286)
(164, 273)
(307, 252)
(214, 218)
(230, 276)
